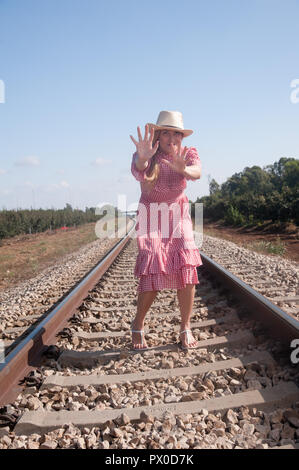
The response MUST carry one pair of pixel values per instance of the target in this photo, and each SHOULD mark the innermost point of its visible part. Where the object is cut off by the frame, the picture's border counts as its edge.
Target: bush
(234, 217)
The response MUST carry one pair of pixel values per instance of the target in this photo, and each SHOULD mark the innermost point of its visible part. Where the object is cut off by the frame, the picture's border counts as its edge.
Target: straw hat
(172, 120)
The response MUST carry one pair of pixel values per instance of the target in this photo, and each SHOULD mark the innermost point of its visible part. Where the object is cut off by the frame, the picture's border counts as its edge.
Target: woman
(168, 256)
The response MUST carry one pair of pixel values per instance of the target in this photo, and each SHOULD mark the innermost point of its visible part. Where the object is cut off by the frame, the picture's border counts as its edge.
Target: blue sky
(80, 75)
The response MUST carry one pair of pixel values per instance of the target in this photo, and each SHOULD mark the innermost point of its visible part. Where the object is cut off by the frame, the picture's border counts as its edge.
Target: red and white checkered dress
(167, 256)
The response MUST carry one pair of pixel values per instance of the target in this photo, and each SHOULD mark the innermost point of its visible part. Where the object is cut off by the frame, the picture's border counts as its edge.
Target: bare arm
(192, 171)
(141, 164)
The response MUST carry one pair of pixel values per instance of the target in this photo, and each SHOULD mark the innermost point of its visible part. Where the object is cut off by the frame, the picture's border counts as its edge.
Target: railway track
(273, 277)
(37, 301)
(238, 389)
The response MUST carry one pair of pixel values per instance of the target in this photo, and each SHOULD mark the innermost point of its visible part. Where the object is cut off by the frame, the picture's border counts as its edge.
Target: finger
(135, 142)
(179, 150)
(184, 152)
(139, 134)
(152, 134)
(156, 145)
(146, 132)
(166, 161)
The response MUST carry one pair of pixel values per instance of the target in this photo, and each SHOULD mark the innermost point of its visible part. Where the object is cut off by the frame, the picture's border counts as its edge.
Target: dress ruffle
(179, 280)
(162, 262)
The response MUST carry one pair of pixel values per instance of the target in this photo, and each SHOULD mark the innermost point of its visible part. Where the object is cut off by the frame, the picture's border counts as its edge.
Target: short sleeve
(138, 174)
(192, 158)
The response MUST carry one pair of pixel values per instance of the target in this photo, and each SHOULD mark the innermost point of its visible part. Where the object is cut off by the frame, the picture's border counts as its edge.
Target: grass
(23, 257)
(262, 246)
(5, 258)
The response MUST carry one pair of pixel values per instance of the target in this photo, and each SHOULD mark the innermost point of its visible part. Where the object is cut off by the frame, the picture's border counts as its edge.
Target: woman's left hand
(178, 164)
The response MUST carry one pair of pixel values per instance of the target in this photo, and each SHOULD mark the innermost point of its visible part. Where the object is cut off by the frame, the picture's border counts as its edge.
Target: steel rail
(28, 354)
(279, 323)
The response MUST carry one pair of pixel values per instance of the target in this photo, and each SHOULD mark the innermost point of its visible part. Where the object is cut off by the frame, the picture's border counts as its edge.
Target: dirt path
(24, 256)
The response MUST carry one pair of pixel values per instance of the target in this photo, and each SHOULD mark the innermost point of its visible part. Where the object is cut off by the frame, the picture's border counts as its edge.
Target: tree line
(256, 195)
(249, 197)
(16, 222)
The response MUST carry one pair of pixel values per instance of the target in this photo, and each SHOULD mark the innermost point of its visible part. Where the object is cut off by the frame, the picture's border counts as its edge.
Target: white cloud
(28, 161)
(28, 184)
(99, 162)
(2, 172)
(54, 186)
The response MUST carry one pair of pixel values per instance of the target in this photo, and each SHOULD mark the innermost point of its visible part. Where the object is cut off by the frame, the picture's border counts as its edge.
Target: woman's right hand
(144, 147)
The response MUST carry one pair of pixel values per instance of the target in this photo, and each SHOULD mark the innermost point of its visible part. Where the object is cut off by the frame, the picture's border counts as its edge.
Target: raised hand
(144, 147)
(179, 163)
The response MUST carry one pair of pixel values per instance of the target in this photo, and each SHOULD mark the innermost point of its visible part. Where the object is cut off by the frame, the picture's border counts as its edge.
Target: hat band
(168, 125)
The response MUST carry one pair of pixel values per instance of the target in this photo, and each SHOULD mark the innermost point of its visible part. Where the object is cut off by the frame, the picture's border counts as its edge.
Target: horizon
(121, 201)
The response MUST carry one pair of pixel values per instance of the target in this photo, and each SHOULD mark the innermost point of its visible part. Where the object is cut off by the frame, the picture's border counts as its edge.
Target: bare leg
(186, 299)
(144, 301)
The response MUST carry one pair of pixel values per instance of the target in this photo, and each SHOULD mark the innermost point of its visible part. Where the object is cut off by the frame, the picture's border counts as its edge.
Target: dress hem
(178, 280)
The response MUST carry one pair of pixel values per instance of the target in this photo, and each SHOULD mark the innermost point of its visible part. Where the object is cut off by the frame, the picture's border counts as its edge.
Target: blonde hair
(154, 168)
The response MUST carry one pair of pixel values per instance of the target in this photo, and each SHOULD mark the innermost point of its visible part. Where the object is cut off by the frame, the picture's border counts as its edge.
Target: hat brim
(186, 132)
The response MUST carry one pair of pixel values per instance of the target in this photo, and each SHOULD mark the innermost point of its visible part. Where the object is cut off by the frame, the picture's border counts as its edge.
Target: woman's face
(170, 140)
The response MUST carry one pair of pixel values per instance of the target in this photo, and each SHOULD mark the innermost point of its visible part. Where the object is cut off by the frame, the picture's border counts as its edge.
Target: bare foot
(187, 339)
(138, 340)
